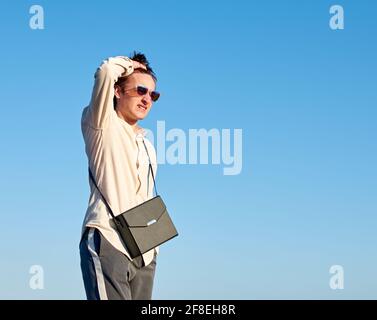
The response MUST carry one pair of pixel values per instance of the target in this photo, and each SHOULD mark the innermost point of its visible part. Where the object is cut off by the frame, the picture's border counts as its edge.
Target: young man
(123, 94)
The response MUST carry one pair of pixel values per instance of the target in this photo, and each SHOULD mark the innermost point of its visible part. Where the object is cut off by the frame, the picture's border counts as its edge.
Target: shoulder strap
(150, 169)
(103, 197)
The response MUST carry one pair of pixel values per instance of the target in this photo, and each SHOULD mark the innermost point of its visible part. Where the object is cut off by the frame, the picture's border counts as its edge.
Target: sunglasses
(142, 91)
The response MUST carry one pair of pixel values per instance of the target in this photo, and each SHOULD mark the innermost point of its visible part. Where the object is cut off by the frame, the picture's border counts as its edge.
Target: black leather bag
(145, 226)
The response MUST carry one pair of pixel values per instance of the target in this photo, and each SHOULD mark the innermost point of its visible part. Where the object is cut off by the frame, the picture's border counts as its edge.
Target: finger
(139, 65)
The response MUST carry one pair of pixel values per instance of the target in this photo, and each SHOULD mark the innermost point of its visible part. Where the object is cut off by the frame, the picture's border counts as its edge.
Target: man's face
(131, 105)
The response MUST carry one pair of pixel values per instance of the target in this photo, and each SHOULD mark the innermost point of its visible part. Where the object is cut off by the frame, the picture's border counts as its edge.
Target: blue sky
(303, 94)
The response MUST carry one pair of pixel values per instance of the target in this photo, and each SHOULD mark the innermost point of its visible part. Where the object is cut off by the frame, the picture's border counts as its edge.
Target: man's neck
(132, 123)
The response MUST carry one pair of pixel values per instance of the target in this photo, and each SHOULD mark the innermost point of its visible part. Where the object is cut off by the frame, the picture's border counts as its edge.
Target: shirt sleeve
(101, 103)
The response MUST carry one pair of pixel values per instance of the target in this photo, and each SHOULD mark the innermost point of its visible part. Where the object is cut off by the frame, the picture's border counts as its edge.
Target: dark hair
(139, 57)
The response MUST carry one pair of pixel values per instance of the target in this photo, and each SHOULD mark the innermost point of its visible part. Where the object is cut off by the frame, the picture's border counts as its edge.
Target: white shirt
(117, 156)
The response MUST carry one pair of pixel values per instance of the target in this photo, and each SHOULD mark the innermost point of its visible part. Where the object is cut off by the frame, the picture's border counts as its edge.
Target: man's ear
(117, 91)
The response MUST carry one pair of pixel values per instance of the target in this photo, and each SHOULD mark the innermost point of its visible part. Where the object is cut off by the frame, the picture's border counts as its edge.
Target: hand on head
(138, 65)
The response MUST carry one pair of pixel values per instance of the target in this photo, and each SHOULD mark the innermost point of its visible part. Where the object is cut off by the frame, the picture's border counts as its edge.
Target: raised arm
(101, 103)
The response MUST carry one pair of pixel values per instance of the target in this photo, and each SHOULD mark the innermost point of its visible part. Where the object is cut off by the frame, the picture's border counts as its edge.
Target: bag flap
(146, 213)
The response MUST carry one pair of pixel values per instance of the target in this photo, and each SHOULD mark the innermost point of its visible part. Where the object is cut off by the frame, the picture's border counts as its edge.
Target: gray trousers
(109, 274)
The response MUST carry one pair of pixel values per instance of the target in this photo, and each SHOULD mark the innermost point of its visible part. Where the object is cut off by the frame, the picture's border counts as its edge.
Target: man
(123, 94)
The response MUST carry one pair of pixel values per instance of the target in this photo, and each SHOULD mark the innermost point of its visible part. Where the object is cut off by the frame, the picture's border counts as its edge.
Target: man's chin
(141, 116)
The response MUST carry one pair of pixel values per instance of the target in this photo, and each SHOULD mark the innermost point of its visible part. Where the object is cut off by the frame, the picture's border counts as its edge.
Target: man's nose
(146, 99)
